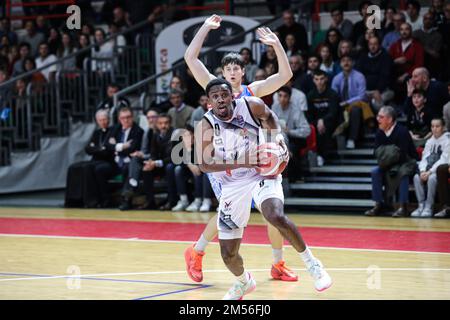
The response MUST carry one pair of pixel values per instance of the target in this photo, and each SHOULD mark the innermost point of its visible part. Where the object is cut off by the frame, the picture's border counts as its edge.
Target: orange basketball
(271, 159)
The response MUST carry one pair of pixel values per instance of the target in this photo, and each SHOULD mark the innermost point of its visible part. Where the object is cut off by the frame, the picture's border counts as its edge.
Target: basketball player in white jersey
(226, 140)
(233, 71)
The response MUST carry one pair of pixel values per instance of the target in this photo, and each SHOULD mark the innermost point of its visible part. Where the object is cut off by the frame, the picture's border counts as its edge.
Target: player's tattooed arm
(200, 72)
(204, 148)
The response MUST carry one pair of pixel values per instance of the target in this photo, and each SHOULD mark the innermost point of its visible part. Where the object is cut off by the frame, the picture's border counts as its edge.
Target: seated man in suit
(392, 133)
(81, 187)
(160, 162)
(137, 163)
(125, 139)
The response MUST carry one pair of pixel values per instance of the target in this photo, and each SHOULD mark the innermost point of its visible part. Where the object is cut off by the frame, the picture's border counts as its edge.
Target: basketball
(271, 159)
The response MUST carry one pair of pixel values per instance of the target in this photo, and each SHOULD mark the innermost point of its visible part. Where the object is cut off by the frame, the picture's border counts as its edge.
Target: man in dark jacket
(125, 139)
(391, 133)
(81, 187)
(324, 112)
(376, 66)
(160, 162)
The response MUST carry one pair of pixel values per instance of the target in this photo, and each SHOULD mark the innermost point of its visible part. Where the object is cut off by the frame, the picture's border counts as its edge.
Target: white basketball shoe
(239, 290)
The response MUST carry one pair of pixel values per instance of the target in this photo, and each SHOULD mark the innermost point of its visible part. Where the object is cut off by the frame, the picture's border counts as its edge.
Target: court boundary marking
(95, 278)
(212, 242)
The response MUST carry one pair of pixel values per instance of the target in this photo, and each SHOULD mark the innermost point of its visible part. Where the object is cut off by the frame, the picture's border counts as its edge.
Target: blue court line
(197, 286)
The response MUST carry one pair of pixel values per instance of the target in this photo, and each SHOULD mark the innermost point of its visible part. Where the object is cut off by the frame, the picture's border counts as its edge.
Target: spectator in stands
(135, 172)
(289, 26)
(435, 153)
(5, 30)
(89, 30)
(180, 113)
(53, 40)
(32, 37)
(332, 39)
(160, 163)
(359, 28)
(83, 42)
(297, 64)
(5, 95)
(297, 98)
(268, 57)
(344, 26)
(81, 187)
(44, 59)
(387, 24)
(413, 15)
(432, 41)
(327, 65)
(37, 78)
(351, 87)
(437, 9)
(203, 193)
(20, 89)
(419, 118)
(362, 45)
(262, 75)
(42, 25)
(125, 139)
(324, 113)
(345, 48)
(119, 42)
(395, 150)
(198, 113)
(436, 92)
(121, 18)
(306, 82)
(250, 65)
(24, 52)
(104, 50)
(291, 46)
(294, 126)
(407, 54)
(376, 66)
(392, 36)
(66, 48)
(108, 103)
(444, 29)
(176, 83)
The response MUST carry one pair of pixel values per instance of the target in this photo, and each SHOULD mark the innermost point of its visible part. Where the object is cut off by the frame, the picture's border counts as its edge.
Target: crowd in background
(341, 83)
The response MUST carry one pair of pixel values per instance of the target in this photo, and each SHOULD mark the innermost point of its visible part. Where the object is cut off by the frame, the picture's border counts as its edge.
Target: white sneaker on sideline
(181, 205)
(426, 213)
(322, 279)
(320, 161)
(239, 290)
(441, 214)
(194, 206)
(417, 213)
(350, 144)
(206, 206)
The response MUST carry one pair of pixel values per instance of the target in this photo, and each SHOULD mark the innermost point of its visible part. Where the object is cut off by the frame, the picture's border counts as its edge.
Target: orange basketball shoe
(194, 263)
(281, 272)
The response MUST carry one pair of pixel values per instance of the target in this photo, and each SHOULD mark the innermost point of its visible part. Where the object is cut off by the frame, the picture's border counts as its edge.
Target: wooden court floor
(108, 254)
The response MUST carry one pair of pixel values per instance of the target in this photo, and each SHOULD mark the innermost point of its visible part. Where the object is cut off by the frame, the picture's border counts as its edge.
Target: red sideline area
(315, 236)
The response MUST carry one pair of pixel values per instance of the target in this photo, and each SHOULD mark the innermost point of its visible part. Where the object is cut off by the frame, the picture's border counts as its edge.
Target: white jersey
(231, 140)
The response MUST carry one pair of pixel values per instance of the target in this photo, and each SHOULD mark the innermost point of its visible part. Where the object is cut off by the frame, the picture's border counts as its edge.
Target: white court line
(215, 243)
(99, 275)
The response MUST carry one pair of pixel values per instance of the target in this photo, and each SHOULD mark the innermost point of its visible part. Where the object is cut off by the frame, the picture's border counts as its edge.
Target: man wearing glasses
(125, 140)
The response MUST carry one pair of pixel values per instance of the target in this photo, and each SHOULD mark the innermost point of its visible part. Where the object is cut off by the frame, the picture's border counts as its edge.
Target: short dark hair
(165, 115)
(315, 55)
(125, 109)
(337, 8)
(232, 58)
(25, 44)
(319, 73)
(418, 91)
(286, 90)
(414, 3)
(363, 3)
(440, 119)
(217, 82)
(346, 56)
(176, 92)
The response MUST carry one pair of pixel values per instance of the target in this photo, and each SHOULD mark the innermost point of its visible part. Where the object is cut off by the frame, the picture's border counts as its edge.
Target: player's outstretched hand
(213, 22)
(267, 37)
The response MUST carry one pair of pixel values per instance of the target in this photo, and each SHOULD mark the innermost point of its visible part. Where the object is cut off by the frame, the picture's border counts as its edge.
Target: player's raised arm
(201, 74)
(274, 82)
